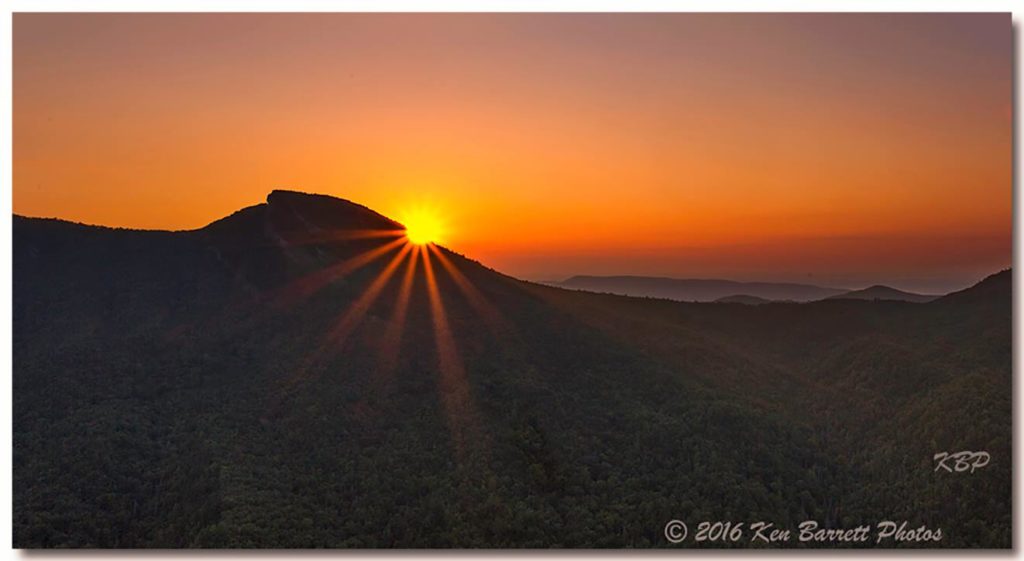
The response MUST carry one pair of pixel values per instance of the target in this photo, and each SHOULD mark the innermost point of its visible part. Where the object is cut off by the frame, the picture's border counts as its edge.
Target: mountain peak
(282, 195)
(316, 211)
(295, 218)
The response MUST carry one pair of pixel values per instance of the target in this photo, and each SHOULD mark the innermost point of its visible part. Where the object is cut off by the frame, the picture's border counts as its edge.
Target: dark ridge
(993, 285)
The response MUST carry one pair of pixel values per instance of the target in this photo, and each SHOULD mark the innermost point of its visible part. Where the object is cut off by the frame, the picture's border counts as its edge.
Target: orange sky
(849, 149)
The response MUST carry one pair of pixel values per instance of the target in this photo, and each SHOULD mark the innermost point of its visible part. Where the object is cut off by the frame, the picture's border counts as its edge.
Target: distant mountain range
(881, 292)
(698, 290)
(729, 291)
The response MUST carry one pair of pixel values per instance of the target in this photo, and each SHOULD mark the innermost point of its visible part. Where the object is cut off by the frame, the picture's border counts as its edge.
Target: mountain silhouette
(742, 299)
(297, 375)
(294, 217)
(698, 290)
(881, 292)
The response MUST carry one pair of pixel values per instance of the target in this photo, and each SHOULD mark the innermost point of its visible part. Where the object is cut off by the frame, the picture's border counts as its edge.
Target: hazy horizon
(850, 280)
(919, 286)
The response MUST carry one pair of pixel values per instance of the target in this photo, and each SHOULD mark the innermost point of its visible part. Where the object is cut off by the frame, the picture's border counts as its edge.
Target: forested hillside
(261, 382)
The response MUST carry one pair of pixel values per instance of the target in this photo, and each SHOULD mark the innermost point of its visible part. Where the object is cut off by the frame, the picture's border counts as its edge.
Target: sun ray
(336, 337)
(455, 392)
(304, 287)
(343, 328)
(346, 235)
(390, 343)
(493, 318)
(392, 339)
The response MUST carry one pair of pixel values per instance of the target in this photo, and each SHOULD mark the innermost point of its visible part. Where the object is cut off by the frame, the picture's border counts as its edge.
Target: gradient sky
(837, 149)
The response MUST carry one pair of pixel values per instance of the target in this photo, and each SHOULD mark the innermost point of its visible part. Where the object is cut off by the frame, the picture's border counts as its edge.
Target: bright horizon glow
(422, 226)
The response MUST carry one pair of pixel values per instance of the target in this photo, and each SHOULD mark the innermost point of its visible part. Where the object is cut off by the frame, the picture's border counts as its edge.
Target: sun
(423, 227)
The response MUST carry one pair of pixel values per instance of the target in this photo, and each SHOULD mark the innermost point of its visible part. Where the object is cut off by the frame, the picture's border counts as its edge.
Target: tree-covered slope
(290, 377)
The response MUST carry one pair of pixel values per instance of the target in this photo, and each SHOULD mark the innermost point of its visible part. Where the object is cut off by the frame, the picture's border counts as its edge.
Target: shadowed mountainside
(295, 375)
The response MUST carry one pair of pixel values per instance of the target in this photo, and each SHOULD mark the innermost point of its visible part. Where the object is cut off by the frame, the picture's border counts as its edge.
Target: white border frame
(6, 179)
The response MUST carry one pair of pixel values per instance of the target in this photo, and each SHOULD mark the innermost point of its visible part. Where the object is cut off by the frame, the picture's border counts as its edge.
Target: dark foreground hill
(290, 376)
(698, 290)
(881, 292)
